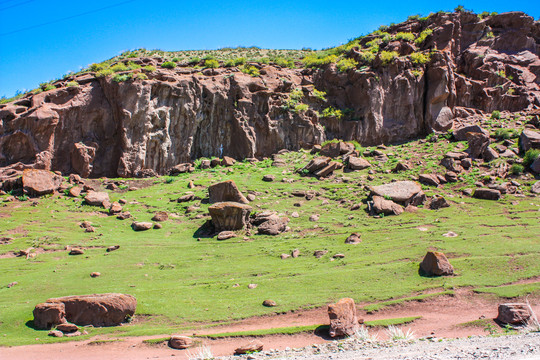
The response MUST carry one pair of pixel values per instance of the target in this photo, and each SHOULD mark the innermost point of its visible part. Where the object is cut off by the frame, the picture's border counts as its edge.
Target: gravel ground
(522, 347)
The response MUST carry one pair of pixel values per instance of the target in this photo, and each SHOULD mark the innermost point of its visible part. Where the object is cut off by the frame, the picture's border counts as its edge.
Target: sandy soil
(440, 318)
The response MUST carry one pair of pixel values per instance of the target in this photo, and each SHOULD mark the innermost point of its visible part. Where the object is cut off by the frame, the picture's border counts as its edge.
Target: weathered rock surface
(229, 215)
(354, 238)
(226, 191)
(141, 225)
(399, 191)
(514, 314)
(387, 207)
(180, 342)
(251, 347)
(97, 310)
(487, 194)
(435, 263)
(274, 225)
(40, 182)
(357, 163)
(529, 139)
(96, 198)
(343, 319)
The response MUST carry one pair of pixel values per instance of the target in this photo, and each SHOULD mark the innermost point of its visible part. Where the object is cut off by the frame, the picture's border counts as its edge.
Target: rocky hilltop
(395, 84)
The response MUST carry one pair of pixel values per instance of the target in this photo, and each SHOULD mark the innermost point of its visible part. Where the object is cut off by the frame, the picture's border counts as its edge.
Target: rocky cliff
(471, 66)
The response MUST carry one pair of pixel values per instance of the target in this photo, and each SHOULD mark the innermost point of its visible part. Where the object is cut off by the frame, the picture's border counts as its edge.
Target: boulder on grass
(141, 226)
(40, 182)
(487, 194)
(343, 319)
(436, 264)
(399, 191)
(357, 163)
(386, 207)
(47, 315)
(97, 198)
(354, 238)
(529, 139)
(180, 342)
(275, 225)
(514, 314)
(226, 191)
(335, 149)
(97, 309)
(229, 215)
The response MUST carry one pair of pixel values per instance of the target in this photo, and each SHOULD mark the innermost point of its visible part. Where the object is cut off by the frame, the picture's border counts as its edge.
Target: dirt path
(440, 318)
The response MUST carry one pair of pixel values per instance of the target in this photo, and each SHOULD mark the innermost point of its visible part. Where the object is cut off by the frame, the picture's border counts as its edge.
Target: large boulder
(40, 182)
(529, 139)
(343, 319)
(47, 315)
(275, 225)
(461, 133)
(357, 163)
(487, 194)
(436, 264)
(97, 309)
(226, 191)
(316, 164)
(478, 143)
(229, 215)
(387, 207)
(515, 314)
(97, 198)
(399, 191)
(335, 149)
(535, 166)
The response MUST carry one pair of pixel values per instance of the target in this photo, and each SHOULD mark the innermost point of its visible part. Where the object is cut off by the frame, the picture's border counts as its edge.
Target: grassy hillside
(182, 281)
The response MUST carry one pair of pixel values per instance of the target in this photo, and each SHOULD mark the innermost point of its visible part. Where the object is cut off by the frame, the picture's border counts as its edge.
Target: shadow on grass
(30, 324)
(205, 231)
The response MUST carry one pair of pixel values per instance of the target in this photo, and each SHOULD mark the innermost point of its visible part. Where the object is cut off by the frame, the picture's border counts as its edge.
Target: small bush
(235, 62)
(490, 35)
(97, 67)
(119, 67)
(516, 169)
(422, 37)
(503, 134)
(297, 94)
(530, 156)
(332, 112)
(321, 95)
(405, 36)
(496, 114)
(318, 61)
(49, 87)
(418, 58)
(141, 76)
(168, 65)
(250, 70)
(211, 63)
(104, 73)
(300, 108)
(346, 64)
(281, 61)
(388, 56)
(122, 77)
(149, 68)
(72, 84)
(414, 17)
(417, 73)
(194, 61)
(366, 57)
(176, 59)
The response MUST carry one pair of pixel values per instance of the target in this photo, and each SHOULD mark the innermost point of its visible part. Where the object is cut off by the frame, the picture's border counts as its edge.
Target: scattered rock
(157, 226)
(529, 139)
(339, 256)
(399, 191)
(95, 274)
(335, 149)
(478, 143)
(47, 315)
(487, 194)
(285, 256)
(314, 217)
(250, 197)
(12, 284)
(295, 214)
(160, 216)
(515, 314)
(76, 251)
(316, 164)
(251, 347)
(436, 264)
(319, 253)
(224, 235)
(227, 161)
(461, 133)
(75, 191)
(141, 226)
(343, 319)
(113, 248)
(67, 328)
(353, 239)
(73, 334)
(275, 225)
(429, 179)
(181, 169)
(269, 303)
(252, 286)
(123, 216)
(115, 208)
(535, 188)
(450, 234)
(269, 178)
(226, 191)
(490, 154)
(55, 333)
(180, 342)
(95, 198)
(401, 166)
(438, 202)
(295, 253)
(229, 215)
(40, 182)
(535, 166)
(357, 163)
(379, 205)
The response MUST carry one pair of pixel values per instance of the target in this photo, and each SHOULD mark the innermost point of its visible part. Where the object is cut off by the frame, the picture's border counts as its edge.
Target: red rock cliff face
(105, 128)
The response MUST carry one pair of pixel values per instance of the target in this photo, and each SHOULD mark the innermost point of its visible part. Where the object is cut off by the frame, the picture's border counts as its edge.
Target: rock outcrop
(136, 127)
(343, 319)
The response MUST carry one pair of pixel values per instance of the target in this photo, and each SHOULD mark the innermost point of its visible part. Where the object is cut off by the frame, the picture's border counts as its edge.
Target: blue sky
(38, 43)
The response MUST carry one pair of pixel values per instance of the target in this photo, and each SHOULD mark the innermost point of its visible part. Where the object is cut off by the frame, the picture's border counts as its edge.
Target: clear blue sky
(31, 53)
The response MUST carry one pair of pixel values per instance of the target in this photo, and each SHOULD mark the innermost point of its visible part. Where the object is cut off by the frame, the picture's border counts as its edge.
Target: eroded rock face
(343, 319)
(135, 127)
(97, 310)
(228, 216)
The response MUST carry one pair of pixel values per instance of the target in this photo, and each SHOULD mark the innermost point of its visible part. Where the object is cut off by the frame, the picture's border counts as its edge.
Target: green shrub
(346, 64)
(496, 114)
(417, 73)
(250, 70)
(104, 73)
(388, 56)
(405, 36)
(419, 58)
(281, 61)
(516, 169)
(314, 60)
(194, 60)
(321, 95)
(97, 67)
(422, 37)
(168, 65)
(366, 57)
(503, 134)
(119, 67)
(122, 77)
(530, 156)
(149, 68)
(300, 108)
(413, 17)
(332, 112)
(176, 59)
(141, 76)
(132, 66)
(235, 62)
(72, 84)
(297, 94)
(490, 35)
(211, 63)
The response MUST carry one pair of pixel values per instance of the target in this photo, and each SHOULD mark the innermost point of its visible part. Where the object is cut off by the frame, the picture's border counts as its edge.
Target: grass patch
(376, 307)
(511, 291)
(105, 341)
(479, 323)
(392, 322)
(156, 341)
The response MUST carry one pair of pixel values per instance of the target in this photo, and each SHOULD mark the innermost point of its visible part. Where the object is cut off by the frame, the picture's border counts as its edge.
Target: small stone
(269, 303)
(123, 216)
(158, 226)
(12, 284)
(285, 256)
(251, 197)
(180, 342)
(113, 248)
(314, 217)
(141, 226)
(295, 214)
(56, 333)
(224, 235)
(353, 239)
(450, 234)
(252, 286)
(160, 216)
(319, 253)
(115, 208)
(95, 274)
(67, 328)
(76, 251)
(253, 346)
(295, 253)
(269, 178)
(338, 256)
